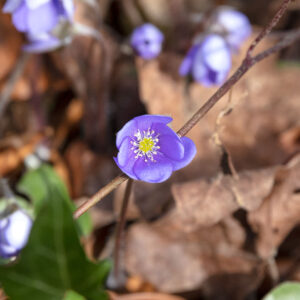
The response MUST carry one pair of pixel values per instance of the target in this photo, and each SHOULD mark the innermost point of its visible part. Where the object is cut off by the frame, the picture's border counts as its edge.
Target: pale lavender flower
(147, 41)
(149, 150)
(208, 62)
(14, 232)
(41, 21)
(234, 25)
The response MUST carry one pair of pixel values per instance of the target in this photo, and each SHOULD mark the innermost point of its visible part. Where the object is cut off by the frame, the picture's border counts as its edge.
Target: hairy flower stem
(120, 228)
(248, 62)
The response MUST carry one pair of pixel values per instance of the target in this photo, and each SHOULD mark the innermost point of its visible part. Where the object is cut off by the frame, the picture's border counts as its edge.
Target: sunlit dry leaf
(202, 203)
(279, 213)
(156, 251)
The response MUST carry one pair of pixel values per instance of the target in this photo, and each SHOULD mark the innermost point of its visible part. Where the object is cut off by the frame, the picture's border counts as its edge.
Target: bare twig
(120, 227)
(13, 78)
(100, 195)
(248, 62)
(269, 27)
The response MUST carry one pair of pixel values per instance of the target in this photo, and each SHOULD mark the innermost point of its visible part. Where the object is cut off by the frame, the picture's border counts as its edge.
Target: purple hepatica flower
(39, 20)
(235, 24)
(14, 233)
(147, 41)
(150, 151)
(208, 62)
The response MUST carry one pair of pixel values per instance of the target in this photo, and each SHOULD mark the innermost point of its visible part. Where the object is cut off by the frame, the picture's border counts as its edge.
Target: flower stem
(120, 228)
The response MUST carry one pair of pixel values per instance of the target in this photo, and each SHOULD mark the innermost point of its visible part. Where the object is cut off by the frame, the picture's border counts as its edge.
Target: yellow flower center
(146, 144)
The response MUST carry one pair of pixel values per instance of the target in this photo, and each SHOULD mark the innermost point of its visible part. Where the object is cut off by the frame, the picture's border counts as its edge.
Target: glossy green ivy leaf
(71, 295)
(33, 185)
(285, 291)
(53, 262)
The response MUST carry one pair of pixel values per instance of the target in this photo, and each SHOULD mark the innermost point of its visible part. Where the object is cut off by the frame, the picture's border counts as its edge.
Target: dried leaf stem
(249, 61)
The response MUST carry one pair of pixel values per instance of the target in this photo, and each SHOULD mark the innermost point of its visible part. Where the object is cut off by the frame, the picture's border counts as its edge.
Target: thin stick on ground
(248, 62)
(12, 80)
(120, 227)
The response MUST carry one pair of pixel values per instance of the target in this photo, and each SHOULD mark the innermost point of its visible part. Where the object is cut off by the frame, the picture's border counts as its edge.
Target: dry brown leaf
(175, 261)
(279, 213)
(13, 156)
(290, 139)
(203, 203)
(10, 43)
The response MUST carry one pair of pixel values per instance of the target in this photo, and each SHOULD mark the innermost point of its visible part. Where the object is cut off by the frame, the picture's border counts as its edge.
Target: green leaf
(285, 291)
(53, 262)
(33, 185)
(71, 295)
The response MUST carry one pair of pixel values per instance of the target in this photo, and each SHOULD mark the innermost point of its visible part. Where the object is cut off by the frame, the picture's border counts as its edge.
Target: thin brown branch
(247, 63)
(120, 228)
(12, 80)
(286, 41)
(100, 195)
(269, 27)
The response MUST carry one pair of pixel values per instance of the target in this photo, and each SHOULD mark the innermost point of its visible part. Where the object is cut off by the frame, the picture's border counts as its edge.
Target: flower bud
(208, 62)
(147, 41)
(14, 232)
(45, 22)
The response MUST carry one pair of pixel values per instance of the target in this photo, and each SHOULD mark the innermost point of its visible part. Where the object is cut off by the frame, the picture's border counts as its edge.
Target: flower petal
(147, 40)
(215, 53)
(20, 17)
(43, 19)
(18, 231)
(69, 8)
(33, 4)
(153, 172)
(11, 5)
(129, 129)
(44, 44)
(125, 152)
(189, 153)
(145, 122)
(171, 147)
(186, 65)
(7, 251)
(126, 158)
(212, 62)
(237, 25)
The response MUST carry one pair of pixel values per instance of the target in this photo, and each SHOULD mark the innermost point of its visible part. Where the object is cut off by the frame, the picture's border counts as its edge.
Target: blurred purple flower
(147, 41)
(234, 24)
(150, 151)
(39, 19)
(14, 233)
(208, 62)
